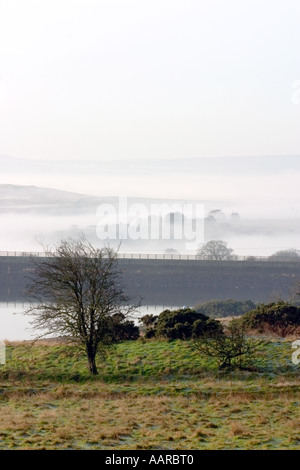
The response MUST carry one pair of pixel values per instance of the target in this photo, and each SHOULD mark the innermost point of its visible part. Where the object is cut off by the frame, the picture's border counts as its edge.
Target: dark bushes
(182, 324)
(279, 318)
(123, 330)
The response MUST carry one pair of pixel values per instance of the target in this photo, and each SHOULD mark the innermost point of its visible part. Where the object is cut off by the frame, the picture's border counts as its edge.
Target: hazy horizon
(251, 182)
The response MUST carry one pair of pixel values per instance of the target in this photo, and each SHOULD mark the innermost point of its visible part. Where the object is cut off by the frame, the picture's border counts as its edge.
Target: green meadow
(149, 394)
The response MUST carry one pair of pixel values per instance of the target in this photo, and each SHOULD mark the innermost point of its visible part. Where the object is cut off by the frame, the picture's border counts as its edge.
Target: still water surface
(15, 326)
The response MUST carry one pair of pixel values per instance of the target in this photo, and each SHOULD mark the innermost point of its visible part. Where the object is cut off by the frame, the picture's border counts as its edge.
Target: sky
(111, 79)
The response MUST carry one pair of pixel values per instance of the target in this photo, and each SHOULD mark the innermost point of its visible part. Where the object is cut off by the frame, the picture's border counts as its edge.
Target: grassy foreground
(148, 395)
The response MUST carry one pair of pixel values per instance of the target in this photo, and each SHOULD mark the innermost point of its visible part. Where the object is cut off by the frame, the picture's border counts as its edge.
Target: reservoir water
(15, 325)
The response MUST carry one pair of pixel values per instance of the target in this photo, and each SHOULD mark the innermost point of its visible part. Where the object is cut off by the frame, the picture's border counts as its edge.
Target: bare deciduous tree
(215, 250)
(76, 292)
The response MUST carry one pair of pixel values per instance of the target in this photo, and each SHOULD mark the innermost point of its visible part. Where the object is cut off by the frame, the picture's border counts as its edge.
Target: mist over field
(251, 203)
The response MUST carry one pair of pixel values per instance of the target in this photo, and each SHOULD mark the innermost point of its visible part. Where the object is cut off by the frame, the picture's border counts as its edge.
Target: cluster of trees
(291, 253)
(218, 250)
(76, 292)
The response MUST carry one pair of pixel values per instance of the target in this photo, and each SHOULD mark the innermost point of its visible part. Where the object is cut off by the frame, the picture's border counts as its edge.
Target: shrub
(150, 333)
(184, 324)
(280, 318)
(148, 323)
(209, 328)
(124, 330)
(230, 349)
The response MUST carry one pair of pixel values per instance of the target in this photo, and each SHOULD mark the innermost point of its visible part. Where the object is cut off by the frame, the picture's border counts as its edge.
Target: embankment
(178, 282)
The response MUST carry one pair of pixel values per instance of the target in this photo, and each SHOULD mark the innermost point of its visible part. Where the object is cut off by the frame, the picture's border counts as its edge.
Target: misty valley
(33, 216)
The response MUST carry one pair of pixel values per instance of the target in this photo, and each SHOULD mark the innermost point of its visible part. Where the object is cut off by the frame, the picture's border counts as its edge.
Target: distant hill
(18, 195)
(20, 198)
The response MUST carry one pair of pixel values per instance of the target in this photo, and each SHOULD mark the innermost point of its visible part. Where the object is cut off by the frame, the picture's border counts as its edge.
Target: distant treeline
(225, 308)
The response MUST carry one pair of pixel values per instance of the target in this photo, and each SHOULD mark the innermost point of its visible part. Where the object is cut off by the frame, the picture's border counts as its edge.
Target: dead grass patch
(238, 429)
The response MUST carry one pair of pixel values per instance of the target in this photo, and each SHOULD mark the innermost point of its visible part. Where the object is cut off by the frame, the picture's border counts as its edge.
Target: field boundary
(162, 256)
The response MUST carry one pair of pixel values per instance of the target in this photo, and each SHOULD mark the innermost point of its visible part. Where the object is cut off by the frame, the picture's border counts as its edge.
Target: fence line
(162, 256)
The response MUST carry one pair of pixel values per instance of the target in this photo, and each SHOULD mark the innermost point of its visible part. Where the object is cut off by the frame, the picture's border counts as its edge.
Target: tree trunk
(92, 361)
(92, 366)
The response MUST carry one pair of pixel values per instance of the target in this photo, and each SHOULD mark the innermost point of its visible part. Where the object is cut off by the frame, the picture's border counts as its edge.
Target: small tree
(77, 293)
(230, 349)
(215, 250)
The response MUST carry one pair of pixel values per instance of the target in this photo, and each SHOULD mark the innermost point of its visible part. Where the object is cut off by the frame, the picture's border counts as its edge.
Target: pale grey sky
(109, 79)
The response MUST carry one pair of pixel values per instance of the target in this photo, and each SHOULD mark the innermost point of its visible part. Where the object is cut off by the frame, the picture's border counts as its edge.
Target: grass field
(148, 395)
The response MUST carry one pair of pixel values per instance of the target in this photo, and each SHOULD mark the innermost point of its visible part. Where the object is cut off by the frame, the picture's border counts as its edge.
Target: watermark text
(155, 221)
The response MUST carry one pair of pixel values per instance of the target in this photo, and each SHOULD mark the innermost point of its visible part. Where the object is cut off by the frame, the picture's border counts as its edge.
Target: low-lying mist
(29, 232)
(255, 208)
